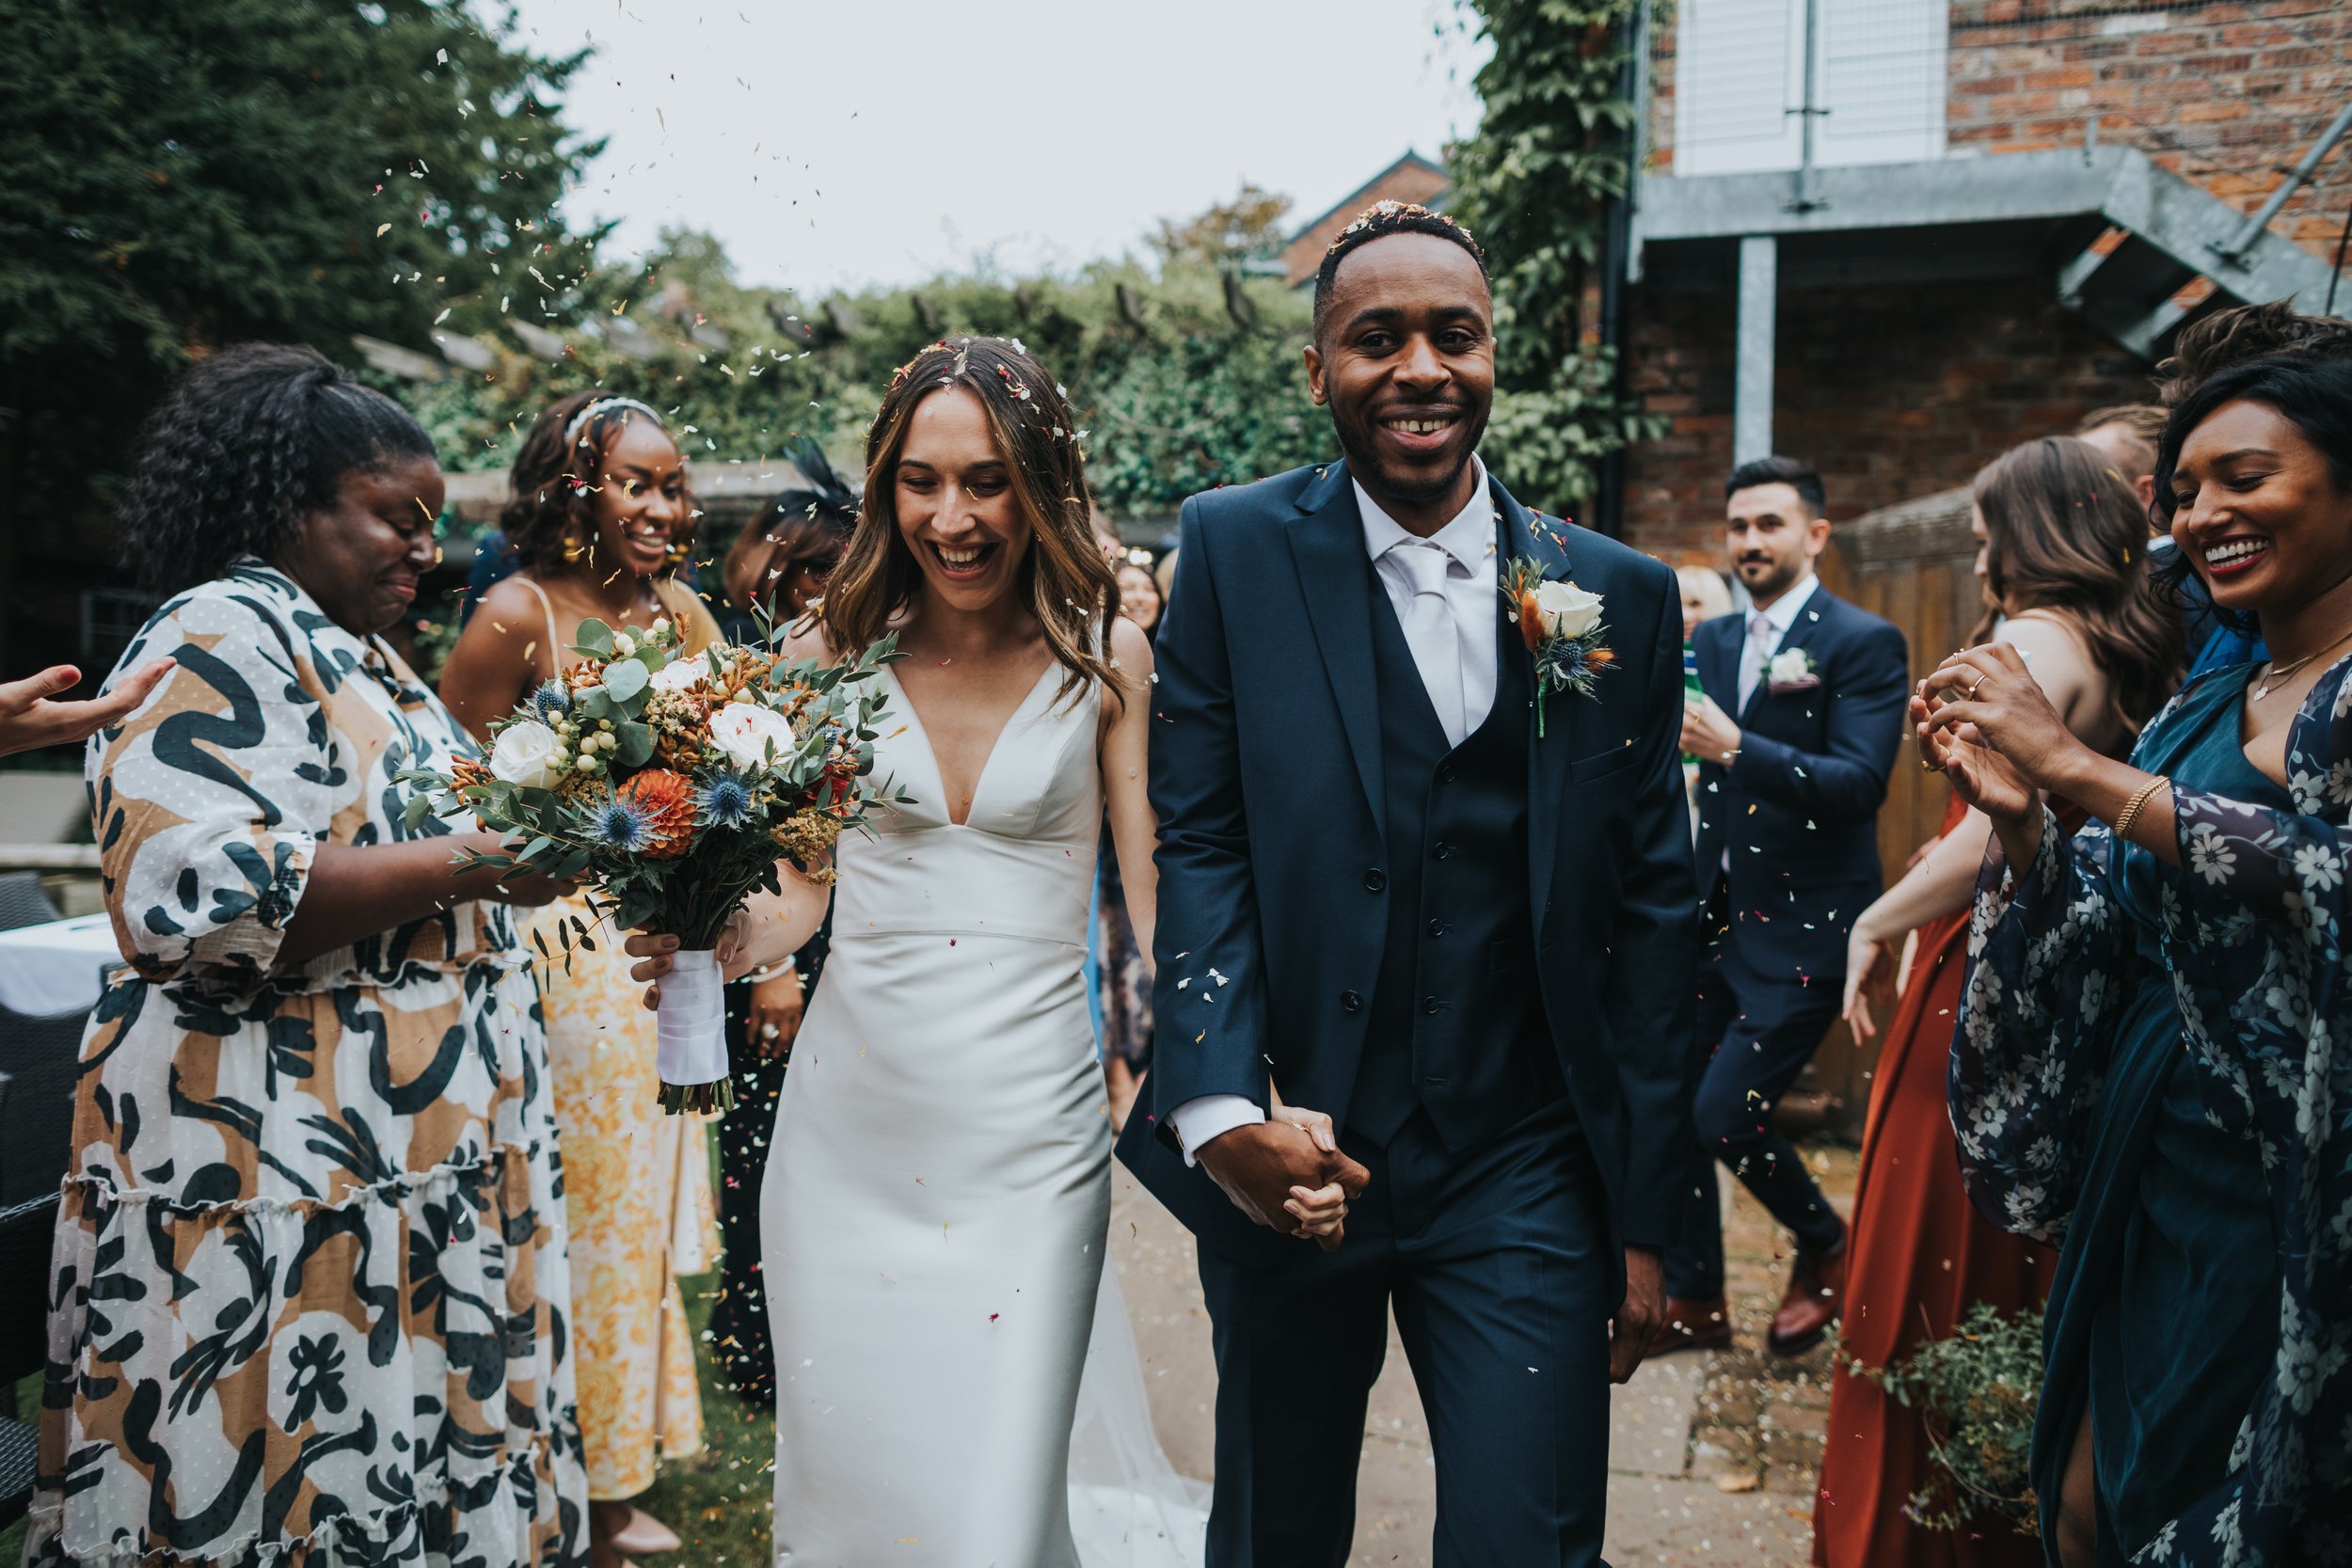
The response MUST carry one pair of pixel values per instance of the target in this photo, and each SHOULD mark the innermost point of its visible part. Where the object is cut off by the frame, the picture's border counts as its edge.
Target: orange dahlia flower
(668, 801)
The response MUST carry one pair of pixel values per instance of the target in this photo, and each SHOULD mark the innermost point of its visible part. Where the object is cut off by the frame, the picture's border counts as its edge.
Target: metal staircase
(2128, 245)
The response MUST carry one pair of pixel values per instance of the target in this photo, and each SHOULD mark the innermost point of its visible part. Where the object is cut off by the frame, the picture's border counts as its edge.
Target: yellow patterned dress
(638, 1204)
(636, 1187)
(309, 1293)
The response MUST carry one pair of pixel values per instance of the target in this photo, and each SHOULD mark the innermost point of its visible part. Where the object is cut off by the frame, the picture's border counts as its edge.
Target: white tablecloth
(58, 967)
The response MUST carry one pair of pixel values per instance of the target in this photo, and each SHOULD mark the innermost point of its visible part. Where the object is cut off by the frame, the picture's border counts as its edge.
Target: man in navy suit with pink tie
(1795, 737)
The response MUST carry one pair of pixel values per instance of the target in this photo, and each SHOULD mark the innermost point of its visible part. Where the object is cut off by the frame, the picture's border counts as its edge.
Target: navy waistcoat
(1457, 1022)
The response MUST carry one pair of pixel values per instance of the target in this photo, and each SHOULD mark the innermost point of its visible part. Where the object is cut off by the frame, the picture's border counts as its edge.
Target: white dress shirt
(1453, 641)
(1767, 630)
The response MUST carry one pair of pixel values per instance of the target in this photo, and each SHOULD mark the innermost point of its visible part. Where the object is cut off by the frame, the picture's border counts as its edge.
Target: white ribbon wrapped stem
(692, 1016)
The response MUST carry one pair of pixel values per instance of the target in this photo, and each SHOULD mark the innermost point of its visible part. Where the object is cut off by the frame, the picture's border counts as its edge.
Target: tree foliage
(1534, 184)
(1250, 225)
(1177, 396)
(183, 173)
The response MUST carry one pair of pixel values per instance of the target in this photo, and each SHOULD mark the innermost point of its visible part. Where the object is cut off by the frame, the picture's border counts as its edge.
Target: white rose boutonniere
(1562, 625)
(525, 754)
(1792, 669)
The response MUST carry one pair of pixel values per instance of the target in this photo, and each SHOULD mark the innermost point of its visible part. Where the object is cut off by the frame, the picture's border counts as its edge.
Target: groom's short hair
(1377, 222)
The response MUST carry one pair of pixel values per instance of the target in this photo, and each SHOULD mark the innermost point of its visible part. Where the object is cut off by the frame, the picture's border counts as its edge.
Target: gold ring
(1973, 685)
(1932, 766)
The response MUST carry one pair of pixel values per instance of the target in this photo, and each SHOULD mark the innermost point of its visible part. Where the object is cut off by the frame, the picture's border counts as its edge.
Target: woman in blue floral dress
(2145, 1062)
(310, 1290)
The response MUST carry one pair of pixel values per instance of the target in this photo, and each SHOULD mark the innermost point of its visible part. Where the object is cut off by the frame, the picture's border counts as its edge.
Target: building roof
(1412, 178)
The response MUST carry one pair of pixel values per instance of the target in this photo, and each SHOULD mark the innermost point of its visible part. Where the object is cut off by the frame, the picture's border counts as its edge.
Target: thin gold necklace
(2280, 671)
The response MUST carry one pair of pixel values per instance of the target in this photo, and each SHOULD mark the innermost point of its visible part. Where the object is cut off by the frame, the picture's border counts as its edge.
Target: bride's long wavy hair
(2065, 531)
(1063, 579)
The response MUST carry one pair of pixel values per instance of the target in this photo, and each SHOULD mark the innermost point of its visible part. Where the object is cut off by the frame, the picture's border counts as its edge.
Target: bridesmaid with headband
(601, 518)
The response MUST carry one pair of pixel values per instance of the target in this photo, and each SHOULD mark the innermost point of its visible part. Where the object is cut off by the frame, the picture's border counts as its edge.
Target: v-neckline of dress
(988, 763)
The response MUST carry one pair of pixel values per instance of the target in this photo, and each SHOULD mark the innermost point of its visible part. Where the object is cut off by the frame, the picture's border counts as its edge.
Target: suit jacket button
(1437, 927)
(1374, 879)
(1430, 1005)
(1443, 850)
(1445, 773)
(1350, 1002)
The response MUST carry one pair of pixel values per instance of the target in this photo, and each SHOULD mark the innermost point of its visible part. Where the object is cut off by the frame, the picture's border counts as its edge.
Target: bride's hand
(654, 950)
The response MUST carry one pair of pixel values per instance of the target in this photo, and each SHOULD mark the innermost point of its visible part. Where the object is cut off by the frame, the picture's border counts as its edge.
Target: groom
(1403, 884)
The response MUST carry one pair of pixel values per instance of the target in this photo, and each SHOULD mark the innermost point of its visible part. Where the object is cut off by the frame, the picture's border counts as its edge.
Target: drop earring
(574, 551)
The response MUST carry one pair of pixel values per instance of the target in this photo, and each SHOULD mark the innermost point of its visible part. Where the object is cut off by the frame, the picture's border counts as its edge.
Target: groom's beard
(1414, 488)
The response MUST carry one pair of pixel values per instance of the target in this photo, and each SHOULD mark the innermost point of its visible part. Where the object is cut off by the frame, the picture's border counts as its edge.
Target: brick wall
(1891, 392)
(2227, 95)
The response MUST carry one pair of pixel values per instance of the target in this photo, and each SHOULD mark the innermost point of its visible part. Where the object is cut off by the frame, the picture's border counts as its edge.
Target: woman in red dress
(2063, 557)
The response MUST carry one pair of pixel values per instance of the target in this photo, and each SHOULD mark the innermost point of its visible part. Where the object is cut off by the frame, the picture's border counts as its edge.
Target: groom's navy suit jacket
(1266, 774)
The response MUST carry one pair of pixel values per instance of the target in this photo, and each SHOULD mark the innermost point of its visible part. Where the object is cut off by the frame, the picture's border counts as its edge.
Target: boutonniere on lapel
(1565, 635)
(1791, 670)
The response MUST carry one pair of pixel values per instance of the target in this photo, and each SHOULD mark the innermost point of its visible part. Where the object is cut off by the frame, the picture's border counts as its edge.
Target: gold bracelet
(2130, 814)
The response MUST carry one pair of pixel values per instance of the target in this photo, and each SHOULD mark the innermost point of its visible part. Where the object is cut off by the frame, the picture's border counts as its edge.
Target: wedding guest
(2145, 1064)
(30, 715)
(781, 565)
(600, 516)
(2205, 347)
(1704, 597)
(2062, 556)
(1788, 796)
(2126, 436)
(1125, 970)
(310, 1291)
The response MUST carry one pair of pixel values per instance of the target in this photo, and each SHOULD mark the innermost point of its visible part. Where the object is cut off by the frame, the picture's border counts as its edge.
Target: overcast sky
(881, 141)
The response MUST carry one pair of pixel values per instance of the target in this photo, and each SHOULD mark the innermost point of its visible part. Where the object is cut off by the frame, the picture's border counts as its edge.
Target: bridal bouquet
(672, 785)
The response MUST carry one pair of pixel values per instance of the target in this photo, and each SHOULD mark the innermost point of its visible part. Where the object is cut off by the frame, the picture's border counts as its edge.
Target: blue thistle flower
(551, 698)
(723, 801)
(618, 824)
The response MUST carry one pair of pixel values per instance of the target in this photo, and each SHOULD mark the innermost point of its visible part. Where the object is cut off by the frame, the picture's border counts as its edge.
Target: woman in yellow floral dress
(309, 1293)
(601, 516)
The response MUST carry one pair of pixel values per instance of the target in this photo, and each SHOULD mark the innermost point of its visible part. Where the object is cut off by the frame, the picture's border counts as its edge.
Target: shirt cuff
(1209, 1116)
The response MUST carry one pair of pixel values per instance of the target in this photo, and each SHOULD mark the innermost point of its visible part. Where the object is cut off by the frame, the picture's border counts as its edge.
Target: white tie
(1762, 638)
(1433, 636)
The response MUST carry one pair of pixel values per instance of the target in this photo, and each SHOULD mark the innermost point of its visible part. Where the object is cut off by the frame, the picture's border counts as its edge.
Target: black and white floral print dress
(309, 1283)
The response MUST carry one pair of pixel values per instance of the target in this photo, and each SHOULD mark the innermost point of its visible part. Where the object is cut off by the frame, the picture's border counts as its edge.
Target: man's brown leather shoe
(1816, 1297)
(1692, 1326)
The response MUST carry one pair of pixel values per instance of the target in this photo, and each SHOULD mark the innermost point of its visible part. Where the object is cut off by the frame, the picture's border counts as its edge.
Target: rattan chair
(26, 1233)
(23, 902)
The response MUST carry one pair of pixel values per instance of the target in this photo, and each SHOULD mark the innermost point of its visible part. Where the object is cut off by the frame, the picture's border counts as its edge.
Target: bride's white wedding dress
(933, 1224)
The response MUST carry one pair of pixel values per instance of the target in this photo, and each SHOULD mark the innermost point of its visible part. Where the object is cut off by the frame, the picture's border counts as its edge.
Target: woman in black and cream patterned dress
(309, 1277)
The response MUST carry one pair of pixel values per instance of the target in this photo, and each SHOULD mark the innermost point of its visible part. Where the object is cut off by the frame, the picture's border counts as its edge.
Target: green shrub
(1977, 1393)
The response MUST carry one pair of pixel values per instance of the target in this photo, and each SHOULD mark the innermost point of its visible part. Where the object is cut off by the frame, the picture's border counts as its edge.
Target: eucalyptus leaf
(596, 638)
(624, 678)
(636, 742)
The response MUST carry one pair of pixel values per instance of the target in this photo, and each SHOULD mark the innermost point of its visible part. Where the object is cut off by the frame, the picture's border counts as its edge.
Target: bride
(933, 1224)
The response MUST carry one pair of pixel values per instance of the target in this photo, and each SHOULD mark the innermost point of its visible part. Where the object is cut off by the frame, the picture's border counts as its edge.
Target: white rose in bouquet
(1567, 611)
(744, 731)
(524, 754)
(682, 674)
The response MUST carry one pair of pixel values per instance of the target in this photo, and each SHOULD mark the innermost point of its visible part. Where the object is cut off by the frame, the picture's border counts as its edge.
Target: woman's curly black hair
(248, 440)
(554, 483)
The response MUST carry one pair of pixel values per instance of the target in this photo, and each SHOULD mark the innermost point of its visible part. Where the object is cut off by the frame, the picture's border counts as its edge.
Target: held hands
(1983, 719)
(1707, 732)
(1287, 1174)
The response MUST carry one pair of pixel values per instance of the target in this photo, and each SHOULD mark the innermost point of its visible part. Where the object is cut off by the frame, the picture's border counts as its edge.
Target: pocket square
(1795, 683)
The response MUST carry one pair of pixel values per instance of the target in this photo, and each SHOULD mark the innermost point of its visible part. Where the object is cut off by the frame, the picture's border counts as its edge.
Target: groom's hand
(1258, 1167)
(1641, 1312)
